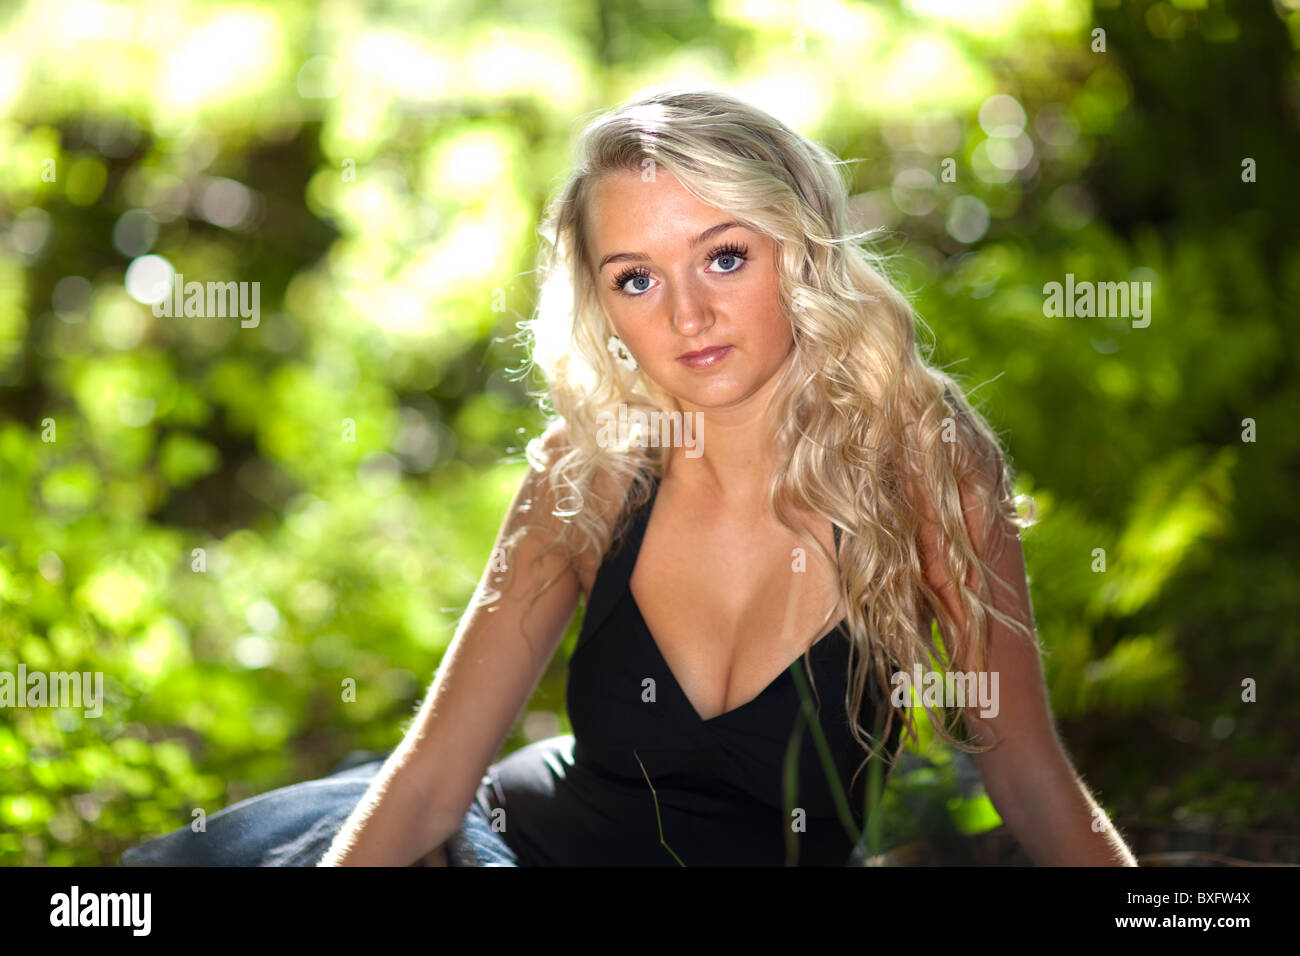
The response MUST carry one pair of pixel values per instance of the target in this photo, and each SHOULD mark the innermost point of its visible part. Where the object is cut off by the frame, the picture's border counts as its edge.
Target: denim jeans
(295, 825)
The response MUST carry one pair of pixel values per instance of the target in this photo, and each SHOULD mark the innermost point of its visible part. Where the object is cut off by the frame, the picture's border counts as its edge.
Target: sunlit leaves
(184, 458)
(1182, 504)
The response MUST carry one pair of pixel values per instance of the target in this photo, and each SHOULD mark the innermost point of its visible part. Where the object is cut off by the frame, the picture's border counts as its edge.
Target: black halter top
(640, 757)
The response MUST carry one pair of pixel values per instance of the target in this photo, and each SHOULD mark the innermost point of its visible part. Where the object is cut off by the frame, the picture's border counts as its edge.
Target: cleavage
(686, 651)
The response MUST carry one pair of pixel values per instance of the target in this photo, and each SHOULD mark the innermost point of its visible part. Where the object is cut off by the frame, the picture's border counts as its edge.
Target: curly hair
(867, 433)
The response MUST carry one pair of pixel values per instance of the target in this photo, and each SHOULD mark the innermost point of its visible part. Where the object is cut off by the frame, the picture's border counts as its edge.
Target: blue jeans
(295, 825)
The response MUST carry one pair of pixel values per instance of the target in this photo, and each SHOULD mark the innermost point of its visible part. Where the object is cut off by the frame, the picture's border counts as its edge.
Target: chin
(721, 397)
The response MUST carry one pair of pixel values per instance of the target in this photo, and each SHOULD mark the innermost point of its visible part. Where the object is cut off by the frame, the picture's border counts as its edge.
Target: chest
(730, 603)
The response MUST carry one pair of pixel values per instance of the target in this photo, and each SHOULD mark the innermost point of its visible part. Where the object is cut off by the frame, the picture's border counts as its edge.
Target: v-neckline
(642, 523)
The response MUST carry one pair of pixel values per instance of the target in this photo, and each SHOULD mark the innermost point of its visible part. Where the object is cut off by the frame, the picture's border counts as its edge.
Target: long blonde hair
(863, 423)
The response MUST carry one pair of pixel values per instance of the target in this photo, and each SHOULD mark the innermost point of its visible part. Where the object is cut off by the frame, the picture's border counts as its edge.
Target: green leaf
(974, 814)
(184, 459)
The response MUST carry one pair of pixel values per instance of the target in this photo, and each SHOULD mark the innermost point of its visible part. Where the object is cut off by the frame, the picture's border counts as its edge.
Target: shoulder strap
(616, 569)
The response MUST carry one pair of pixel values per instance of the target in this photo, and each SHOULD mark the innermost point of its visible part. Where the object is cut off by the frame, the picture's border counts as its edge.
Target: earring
(621, 354)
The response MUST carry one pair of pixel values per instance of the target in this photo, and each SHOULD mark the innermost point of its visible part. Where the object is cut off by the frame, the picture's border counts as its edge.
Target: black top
(583, 800)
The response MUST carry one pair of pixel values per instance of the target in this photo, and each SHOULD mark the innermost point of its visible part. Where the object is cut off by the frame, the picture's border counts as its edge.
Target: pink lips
(705, 358)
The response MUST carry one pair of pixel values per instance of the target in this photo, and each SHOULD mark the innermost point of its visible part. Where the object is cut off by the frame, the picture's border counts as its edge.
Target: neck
(737, 462)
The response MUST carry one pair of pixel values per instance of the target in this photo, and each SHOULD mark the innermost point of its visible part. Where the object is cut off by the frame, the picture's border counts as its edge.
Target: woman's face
(671, 282)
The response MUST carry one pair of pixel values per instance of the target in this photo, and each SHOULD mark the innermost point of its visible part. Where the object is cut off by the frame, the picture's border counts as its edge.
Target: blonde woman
(765, 495)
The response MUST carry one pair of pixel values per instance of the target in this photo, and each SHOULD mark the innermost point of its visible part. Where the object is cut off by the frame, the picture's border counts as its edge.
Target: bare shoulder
(608, 491)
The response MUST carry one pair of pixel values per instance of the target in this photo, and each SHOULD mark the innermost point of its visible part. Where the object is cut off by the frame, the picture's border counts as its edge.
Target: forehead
(624, 207)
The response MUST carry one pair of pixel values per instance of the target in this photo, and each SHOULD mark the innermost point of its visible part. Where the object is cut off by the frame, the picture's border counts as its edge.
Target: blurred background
(231, 518)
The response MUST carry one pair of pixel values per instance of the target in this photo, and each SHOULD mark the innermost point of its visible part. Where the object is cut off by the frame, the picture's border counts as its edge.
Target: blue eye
(629, 275)
(729, 253)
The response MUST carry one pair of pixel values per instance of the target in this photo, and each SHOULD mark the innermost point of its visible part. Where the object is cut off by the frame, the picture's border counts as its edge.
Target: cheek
(772, 318)
(765, 300)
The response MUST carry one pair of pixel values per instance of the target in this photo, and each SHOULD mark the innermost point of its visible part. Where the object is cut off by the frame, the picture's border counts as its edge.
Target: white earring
(620, 352)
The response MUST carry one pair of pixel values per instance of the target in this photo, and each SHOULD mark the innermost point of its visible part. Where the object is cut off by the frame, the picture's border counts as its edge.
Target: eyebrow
(705, 236)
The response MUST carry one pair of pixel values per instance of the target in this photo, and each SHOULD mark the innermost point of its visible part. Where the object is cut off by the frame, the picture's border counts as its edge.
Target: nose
(692, 309)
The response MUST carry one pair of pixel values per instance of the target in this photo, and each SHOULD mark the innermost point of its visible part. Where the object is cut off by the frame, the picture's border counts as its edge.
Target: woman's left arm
(1028, 776)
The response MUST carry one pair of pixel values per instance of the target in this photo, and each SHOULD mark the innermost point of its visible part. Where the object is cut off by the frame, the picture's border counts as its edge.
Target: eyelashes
(734, 249)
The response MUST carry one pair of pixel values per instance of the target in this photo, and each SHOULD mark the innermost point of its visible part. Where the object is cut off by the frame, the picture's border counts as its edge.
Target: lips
(705, 357)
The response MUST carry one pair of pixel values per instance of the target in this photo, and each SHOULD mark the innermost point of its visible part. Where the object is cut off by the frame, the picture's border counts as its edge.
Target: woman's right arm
(421, 794)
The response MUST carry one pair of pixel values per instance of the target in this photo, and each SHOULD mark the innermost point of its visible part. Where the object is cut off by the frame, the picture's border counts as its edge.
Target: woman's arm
(422, 792)
(1027, 775)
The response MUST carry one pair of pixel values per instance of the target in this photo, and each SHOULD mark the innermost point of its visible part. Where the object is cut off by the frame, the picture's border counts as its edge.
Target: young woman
(761, 579)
